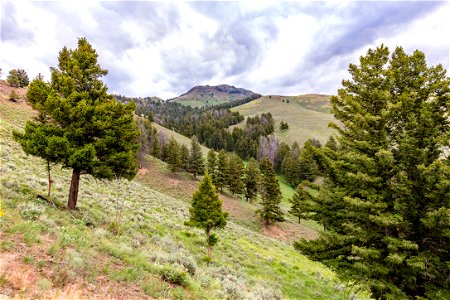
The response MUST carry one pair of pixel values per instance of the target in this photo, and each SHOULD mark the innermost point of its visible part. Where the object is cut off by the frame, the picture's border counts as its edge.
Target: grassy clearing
(146, 252)
(307, 116)
(178, 137)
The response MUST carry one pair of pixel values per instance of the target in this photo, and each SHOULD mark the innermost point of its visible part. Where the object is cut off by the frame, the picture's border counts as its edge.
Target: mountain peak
(208, 95)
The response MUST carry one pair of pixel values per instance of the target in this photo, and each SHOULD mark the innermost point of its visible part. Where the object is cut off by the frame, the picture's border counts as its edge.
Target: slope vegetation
(206, 95)
(128, 241)
(307, 116)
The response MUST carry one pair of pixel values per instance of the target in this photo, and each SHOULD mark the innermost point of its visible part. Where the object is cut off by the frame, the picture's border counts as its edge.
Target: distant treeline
(210, 126)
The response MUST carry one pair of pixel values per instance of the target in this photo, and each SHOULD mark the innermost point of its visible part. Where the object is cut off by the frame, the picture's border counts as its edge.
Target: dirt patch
(142, 171)
(287, 231)
(6, 89)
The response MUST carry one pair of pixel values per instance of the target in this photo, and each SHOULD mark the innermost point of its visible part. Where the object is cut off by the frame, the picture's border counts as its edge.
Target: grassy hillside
(178, 137)
(48, 252)
(307, 116)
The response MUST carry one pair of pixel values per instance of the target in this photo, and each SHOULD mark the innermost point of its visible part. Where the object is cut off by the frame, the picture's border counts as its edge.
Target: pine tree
(281, 154)
(299, 202)
(251, 180)
(222, 170)
(144, 127)
(184, 156)
(212, 165)
(290, 168)
(384, 202)
(206, 211)
(173, 158)
(270, 194)
(93, 133)
(18, 78)
(235, 174)
(196, 163)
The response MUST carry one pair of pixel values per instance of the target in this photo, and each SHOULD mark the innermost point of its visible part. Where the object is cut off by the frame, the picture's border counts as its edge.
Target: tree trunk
(208, 235)
(73, 193)
(50, 181)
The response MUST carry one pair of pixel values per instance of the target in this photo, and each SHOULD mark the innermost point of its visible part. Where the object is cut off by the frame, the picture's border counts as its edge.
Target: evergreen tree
(307, 167)
(299, 202)
(18, 78)
(206, 211)
(144, 127)
(384, 201)
(196, 164)
(173, 158)
(94, 133)
(281, 153)
(290, 168)
(212, 165)
(185, 158)
(235, 174)
(251, 180)
(270, 194)
(222, 170)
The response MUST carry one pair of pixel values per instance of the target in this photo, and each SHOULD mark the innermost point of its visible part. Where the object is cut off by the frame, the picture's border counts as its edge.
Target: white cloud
(162, 49)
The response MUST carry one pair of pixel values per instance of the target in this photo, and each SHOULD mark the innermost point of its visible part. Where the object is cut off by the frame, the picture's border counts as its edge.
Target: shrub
(31, 210)
(13, 96)
(175, 276)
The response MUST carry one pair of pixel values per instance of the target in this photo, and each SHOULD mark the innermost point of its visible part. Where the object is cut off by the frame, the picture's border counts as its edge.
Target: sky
(270, 47)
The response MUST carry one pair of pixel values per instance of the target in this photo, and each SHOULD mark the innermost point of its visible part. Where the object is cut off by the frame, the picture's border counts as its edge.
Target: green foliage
(212, 165)
(196, 164)
(91, 132)
(18, 78)
(184, 156)
(252, 177)
(13, 96)
(384, 203)
(173, 155)
(206, 210)
(222, 170)
(290, 169)
(299, 202)
(283, 126)
(235, 174)
(270, 194)
(174, 276)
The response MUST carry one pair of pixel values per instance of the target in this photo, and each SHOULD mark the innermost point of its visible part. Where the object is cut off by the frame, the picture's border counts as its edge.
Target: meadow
(308, 116)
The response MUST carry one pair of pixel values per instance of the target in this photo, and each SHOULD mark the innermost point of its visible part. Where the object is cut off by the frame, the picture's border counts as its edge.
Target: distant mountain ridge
(207, 95)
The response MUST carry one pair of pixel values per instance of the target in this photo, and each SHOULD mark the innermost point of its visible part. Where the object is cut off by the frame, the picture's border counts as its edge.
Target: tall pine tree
(385, 200)
(196, 163)
(206, 211)
(251, 180)
(94, 133)
(222, 170)
(212, 165)
(270, 194)
(235, 174)
(173, 158)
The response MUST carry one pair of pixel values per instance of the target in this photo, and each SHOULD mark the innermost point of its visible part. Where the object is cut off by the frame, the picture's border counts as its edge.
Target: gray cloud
(11, 28)
(163, 49)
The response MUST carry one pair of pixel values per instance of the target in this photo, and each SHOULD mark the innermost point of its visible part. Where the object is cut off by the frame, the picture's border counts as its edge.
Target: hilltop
(206, 95)
(308, 116)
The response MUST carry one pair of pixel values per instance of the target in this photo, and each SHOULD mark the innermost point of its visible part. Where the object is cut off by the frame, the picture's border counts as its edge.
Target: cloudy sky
(270, 47)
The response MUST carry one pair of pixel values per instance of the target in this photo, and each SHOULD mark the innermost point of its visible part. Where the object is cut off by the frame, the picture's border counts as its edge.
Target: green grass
(148, 249)
(202, 102)
(307, 116)
(178, 137)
